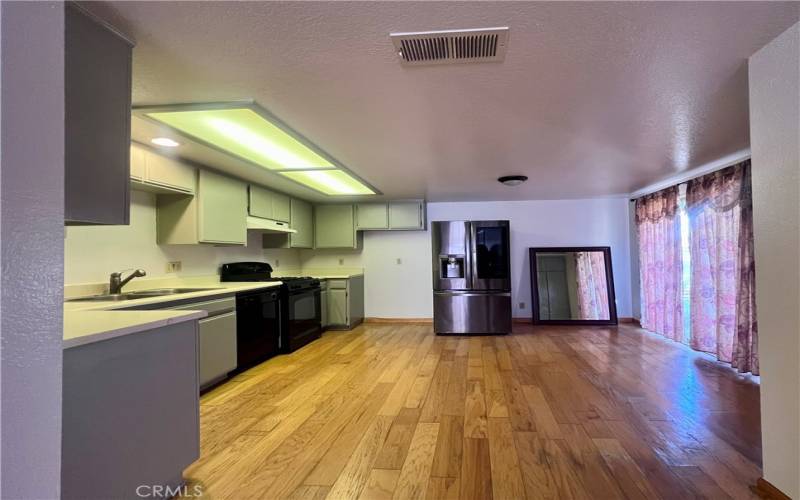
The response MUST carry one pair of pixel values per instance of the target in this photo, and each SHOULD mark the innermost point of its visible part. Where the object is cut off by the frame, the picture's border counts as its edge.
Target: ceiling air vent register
(451, 46)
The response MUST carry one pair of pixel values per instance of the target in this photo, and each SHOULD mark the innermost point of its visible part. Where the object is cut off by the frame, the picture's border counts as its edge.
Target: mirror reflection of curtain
(590, 270)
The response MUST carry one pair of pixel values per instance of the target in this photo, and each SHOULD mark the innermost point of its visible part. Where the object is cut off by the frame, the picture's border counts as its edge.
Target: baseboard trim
(418, 321)
(527, 321)
(765, 489)
(633, 321)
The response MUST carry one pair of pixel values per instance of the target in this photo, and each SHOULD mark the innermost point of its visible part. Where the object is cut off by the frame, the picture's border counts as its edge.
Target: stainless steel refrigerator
(471, 277)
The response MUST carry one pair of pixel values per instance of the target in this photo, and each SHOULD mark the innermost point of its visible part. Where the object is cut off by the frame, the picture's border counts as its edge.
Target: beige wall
(774, 137)
(91, 253)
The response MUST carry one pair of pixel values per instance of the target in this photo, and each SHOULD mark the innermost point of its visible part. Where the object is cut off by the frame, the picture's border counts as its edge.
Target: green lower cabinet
(335, 227)
(345, 303)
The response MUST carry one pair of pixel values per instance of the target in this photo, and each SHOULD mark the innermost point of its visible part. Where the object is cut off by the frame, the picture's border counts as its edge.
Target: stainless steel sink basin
(112, 298)
(141, 294)
(169, 291)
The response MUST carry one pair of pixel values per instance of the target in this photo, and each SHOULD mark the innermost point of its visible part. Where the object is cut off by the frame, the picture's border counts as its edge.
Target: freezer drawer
(456, 313)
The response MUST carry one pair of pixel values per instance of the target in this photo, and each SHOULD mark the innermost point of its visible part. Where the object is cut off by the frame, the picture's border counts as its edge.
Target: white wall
(31, 213)
(774, 138)
(404, 290)
(91, 253)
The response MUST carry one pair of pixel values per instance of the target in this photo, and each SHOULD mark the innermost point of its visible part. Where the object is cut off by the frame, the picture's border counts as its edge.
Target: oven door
(305, 318)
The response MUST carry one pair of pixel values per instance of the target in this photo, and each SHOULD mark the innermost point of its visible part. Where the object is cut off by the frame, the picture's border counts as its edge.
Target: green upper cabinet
(301, 219)
(399, 215)
(216, 215)
(269, 204)
(160, 174)
(222, 214)
(335, 227)
(406, 215)
(372, 216)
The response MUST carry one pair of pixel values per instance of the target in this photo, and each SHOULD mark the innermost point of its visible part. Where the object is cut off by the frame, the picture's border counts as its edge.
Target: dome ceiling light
(512, 180)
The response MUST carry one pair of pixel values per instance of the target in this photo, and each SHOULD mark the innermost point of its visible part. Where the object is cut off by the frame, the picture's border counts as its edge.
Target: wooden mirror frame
(612, 302)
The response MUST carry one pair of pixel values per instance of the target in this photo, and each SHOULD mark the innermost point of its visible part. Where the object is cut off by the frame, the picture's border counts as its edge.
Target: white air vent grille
(452, 46)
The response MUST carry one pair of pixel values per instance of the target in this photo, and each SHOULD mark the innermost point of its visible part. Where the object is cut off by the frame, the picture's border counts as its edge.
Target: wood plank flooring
(393, 412)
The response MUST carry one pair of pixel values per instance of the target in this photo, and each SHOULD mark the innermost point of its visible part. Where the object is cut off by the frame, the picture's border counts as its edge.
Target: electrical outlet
(174, 267)
(522, 305)
(341, 262)
(399, 260)
(277, 263)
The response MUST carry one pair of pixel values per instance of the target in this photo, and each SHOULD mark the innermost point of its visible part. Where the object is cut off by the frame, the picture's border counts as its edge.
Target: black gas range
(300, 305)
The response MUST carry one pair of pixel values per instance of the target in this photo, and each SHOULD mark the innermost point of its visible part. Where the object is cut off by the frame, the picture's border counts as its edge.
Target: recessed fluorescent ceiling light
(244, 133)
(165, 142)
(329, 181)
(248, 132)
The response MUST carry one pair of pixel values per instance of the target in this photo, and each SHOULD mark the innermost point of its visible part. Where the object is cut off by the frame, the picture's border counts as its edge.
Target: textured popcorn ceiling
(593, 99)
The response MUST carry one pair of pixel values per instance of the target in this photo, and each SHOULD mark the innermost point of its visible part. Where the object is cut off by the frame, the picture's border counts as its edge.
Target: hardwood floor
(392, 411)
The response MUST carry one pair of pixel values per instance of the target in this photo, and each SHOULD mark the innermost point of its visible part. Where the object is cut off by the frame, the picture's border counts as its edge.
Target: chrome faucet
(116, 282)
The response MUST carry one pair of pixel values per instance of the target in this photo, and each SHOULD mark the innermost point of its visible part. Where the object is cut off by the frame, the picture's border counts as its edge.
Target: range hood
(267, 225)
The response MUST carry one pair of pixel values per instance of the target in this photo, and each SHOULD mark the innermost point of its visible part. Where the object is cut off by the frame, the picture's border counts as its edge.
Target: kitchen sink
(141, 294)
(169, 291)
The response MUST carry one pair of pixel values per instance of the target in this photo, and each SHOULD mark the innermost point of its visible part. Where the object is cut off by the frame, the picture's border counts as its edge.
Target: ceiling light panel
(330, 182)
(243, 133)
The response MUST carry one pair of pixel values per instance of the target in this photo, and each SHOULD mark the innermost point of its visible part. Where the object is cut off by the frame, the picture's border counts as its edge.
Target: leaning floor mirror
(572, 286)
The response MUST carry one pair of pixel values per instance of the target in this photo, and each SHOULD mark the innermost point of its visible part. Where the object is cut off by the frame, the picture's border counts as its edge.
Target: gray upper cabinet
(372, 216)
(217, 214)
(335, 227)
(97, 115)
(269, 204)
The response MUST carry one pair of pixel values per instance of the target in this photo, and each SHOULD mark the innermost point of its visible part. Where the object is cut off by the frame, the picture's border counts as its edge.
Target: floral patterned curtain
(722, 293)
(590, 270)
(660, 263)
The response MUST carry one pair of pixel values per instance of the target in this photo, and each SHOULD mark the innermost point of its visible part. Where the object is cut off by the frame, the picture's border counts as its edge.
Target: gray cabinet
(392, 215)
(269, 204)
(97, 116)
(130, 413)
(217, 214)
(323, 299)
(345, 303)
(301, 219)
(160, 174)
(335, 227)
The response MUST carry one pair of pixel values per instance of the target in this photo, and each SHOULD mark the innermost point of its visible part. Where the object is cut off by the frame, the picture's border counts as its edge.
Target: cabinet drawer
(341, 284)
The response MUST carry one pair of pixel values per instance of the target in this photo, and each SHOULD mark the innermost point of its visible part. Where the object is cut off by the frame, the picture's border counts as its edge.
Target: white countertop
(87, 322)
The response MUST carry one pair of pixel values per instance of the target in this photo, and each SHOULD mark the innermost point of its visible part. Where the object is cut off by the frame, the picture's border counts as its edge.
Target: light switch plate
(174, 267)
(522, 305)
(341, 262)
(399, 260)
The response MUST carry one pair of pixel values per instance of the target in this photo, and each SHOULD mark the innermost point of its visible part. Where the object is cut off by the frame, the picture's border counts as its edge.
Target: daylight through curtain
(723, 271)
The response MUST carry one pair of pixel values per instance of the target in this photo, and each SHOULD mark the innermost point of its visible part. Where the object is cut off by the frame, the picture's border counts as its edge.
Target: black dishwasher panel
(258, 327)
